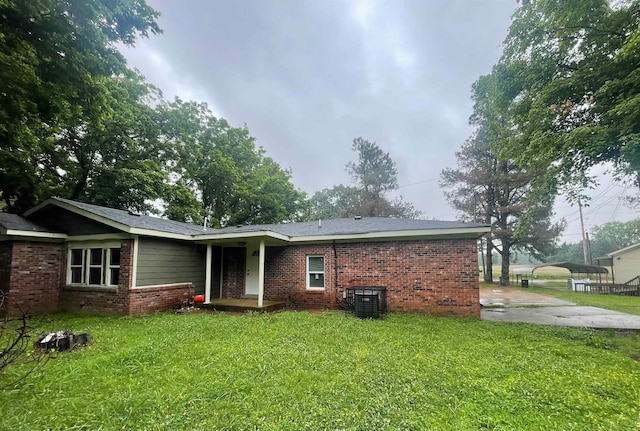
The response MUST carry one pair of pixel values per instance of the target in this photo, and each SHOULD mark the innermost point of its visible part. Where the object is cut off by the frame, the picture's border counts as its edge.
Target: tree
(490, 188)
(59, 58)
(374, 174)
(219, 173)
(116, 158)
(567, 252)
(614, 236)
(575, 66)
(337, 202)
(606, 238)
(497, 192)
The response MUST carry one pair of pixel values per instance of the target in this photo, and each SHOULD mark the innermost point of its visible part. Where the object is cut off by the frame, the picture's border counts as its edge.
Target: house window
(315, 272)
(94, 266)
(114, 265)
(76, 273)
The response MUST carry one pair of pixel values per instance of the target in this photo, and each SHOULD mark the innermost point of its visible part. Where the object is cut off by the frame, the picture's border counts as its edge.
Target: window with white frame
(94, 265)
(315, 272)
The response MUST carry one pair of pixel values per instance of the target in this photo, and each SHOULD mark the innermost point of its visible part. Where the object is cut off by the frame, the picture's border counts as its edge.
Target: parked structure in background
(624, 263)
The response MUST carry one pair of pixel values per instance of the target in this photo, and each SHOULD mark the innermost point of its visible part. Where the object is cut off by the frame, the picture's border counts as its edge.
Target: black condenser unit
(367, 302)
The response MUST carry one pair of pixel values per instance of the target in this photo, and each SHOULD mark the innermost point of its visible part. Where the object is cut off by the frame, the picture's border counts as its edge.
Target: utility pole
(585, 245)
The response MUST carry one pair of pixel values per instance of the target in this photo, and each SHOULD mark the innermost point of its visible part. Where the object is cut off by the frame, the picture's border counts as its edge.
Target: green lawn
(302, 371)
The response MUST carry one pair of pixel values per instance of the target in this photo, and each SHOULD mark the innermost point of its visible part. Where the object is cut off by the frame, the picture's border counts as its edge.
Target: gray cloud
(307, 77)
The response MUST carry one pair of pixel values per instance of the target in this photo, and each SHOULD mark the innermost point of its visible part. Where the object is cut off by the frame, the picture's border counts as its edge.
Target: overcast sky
(307, 77)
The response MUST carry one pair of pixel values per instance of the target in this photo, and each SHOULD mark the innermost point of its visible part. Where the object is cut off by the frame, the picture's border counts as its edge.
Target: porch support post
(134, 270)
(261, 274)
(207, 276)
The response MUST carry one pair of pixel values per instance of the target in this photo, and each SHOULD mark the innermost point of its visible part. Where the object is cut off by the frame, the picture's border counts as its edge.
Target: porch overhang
(403, 235)
(272, 238)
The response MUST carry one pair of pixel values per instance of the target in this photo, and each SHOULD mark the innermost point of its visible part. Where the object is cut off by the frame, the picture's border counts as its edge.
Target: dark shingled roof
(137, 221)
(351, 226)
(17, 222)
(344, 226)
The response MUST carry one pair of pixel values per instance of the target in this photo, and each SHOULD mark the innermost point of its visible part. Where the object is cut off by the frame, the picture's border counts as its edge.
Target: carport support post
(261, 274)
(207, 276)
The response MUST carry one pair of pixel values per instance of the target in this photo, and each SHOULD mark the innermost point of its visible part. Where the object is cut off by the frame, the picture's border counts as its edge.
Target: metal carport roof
(577, 268)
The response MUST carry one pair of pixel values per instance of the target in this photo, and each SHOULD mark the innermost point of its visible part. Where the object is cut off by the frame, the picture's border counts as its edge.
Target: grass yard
(303, 371)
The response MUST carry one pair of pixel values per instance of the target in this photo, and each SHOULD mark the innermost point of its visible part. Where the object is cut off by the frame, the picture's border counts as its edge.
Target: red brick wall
(437, 277)
(285, 277)
(5, 274)
(109, 301)
(143, 300)
(35, 272)
(126, 264)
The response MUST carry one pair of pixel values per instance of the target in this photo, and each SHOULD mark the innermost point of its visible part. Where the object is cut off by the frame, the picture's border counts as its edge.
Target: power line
(592, 210)
(419, 182)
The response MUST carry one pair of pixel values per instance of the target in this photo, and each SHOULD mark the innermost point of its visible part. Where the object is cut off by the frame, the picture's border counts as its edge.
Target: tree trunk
(488, 273)
(504, 273)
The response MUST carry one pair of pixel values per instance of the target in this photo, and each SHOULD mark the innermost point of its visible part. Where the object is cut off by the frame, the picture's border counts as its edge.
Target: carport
(577, 268)
(577, 271)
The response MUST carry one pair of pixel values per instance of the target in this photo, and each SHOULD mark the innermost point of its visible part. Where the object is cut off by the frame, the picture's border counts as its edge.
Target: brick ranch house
(64, 255)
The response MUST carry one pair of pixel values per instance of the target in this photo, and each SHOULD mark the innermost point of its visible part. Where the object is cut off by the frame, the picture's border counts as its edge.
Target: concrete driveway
(506, 304)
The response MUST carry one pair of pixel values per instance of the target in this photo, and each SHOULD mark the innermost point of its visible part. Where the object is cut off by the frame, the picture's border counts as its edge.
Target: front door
(252, 269)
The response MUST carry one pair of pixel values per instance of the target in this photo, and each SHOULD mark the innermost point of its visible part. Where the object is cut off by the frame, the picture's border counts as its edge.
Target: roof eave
(33, 234)
(242, 236)
(623, 250)
(111, 223)
(79, 211)
(475, 232)
(159, 234)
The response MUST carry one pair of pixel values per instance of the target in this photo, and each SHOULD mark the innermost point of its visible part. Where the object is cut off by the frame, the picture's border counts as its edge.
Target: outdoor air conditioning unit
(367, 302)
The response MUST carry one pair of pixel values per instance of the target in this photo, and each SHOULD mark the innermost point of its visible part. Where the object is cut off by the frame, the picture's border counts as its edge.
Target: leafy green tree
(574, 66)
(121, 161)
(220, 174)
(59, 59)
(606, 238)
(374, 174)
(337, 202)
(614, 236)
(567, 252)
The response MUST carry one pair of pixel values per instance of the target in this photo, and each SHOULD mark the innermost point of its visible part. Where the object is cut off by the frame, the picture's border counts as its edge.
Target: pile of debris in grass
(63, 340)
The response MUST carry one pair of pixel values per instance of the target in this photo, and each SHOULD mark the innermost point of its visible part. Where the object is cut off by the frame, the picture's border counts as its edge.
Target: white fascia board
(100, 237)
(159, 234)
(240, 236)
(400, 235)
(35, 234)
(623, 250)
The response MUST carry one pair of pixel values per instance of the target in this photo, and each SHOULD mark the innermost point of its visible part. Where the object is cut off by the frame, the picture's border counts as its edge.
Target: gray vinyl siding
(162, 261)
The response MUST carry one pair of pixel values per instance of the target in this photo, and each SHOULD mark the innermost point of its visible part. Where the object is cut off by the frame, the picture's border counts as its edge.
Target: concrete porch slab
(244, 304)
